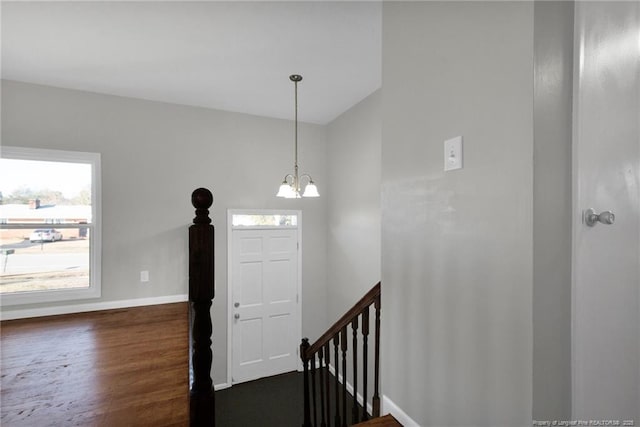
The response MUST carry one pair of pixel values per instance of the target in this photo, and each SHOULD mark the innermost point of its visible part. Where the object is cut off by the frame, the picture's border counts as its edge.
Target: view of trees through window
(45, 225)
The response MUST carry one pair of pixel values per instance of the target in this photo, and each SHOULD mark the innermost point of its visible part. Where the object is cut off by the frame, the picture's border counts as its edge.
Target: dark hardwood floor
(110, 368)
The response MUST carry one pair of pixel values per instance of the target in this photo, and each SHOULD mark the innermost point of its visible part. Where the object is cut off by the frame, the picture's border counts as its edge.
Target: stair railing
(320, 409)
(201, 274)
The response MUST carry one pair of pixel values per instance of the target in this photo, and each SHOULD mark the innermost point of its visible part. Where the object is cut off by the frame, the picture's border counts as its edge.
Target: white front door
(264, 298)
(606, 319)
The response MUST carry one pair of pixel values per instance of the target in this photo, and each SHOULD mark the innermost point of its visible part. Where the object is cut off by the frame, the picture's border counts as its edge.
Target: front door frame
(230, 228)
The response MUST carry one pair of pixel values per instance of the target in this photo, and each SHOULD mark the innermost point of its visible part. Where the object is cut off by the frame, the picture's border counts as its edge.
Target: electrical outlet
(144, 276)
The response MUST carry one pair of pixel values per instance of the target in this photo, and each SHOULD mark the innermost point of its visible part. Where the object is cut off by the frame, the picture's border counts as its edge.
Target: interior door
(606, 328)
(264, 296)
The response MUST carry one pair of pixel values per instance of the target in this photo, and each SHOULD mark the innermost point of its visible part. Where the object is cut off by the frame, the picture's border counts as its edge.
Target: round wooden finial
(201, 198)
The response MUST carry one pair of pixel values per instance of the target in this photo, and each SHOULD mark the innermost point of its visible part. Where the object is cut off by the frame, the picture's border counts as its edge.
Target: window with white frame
(50, 233)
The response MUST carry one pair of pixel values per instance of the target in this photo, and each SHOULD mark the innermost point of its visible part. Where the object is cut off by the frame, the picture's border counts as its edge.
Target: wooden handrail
(368, 299)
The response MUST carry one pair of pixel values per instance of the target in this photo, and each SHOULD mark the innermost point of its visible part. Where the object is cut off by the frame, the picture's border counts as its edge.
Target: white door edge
(230, 228)
(575, 202)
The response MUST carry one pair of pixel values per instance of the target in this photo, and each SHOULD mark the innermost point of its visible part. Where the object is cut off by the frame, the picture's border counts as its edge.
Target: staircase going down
(327, 367)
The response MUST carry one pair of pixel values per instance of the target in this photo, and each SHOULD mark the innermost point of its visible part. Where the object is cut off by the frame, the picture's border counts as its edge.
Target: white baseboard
(222, 386)
(96, 306)
(350, 390)
(389, 407)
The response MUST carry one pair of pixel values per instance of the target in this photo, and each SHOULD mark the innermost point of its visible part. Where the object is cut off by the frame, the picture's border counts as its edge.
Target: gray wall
(153, 156)
(457, 246)
(353, 205)
(552, 210)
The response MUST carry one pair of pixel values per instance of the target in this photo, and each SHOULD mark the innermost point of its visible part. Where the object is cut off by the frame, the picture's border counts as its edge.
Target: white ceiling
(234, 56)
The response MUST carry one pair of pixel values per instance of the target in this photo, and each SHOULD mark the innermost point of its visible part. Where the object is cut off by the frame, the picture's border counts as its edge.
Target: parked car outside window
(45, 234)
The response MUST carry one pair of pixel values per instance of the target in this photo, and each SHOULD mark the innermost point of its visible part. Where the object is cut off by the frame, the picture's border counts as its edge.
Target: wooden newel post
(201, 269)
(305, 363)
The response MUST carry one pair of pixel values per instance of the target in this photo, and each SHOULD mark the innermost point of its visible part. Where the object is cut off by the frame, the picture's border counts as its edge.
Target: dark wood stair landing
(385, 421)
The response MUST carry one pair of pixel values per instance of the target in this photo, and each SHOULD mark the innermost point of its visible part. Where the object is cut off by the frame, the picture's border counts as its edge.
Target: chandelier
(290, 187)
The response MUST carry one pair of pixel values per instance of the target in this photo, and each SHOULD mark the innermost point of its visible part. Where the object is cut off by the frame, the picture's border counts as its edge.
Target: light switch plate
(144, 276)
(453, 153)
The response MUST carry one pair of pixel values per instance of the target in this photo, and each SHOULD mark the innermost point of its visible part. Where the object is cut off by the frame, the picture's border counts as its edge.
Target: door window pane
(261, 220)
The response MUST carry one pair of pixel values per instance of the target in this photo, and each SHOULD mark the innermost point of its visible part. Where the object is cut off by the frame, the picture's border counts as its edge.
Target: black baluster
(313, 390)
(354, 413)
(376, 374)
(321, 379)
(305, 361)
(343, 342)
(336, 342)
(326, 374)
(365, 361)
